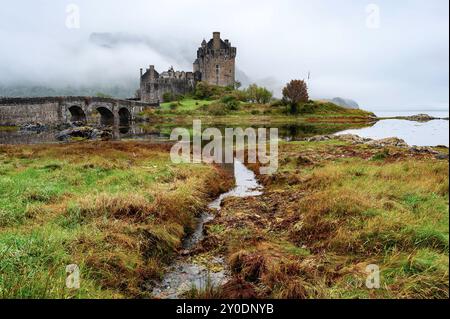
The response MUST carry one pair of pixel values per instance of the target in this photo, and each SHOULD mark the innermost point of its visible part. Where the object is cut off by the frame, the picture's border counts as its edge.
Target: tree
(257, 94)
(263, 95)
(295, 92)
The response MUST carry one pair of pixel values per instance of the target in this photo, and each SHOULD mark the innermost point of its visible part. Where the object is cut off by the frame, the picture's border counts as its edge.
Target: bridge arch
(124, 117)
(106, 116)
(77, 114)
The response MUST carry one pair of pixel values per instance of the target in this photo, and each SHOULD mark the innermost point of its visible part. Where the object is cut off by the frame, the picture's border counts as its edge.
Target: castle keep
(215, 65)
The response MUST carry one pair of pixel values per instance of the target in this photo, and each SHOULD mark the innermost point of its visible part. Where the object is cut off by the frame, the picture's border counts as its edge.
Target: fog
(397, 60)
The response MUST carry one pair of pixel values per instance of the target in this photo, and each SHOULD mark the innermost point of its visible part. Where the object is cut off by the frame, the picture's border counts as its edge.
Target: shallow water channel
(189, 272)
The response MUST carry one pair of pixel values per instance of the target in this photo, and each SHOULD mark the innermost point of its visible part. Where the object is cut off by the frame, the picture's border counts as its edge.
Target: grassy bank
(330, 211)
(8, 128)
(116, 209)
(218, 111)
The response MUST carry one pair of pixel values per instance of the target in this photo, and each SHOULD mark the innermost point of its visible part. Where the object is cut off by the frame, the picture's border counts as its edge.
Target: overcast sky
(398, 59)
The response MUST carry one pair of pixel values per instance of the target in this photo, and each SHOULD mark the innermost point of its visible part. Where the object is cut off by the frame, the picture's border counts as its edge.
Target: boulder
(82, 132)
(390, 141)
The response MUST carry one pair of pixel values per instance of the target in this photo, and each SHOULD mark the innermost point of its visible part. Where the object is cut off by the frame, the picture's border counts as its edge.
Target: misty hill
(124, 91)
(347, 103)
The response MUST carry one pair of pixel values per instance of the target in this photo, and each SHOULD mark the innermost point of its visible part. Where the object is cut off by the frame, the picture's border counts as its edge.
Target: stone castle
(215, 65)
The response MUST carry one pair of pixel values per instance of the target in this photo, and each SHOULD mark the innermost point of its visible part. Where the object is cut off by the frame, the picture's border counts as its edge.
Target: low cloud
(402, 64)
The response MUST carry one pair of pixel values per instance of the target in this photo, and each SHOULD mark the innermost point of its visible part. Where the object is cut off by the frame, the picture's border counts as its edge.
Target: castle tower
(215, 63)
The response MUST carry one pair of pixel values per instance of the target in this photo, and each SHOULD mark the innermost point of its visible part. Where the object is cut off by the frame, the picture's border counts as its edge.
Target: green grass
(190, 108)
(187, 104)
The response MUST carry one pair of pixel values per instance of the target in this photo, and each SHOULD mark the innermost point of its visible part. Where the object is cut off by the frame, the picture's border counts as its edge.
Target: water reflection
(161, 131)
(430, 133)
(414, 133)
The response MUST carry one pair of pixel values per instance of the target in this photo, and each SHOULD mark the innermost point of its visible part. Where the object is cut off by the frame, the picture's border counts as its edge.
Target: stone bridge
(60, 110)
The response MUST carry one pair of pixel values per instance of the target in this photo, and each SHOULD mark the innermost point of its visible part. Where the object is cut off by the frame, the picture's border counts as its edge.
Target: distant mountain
(347, 103)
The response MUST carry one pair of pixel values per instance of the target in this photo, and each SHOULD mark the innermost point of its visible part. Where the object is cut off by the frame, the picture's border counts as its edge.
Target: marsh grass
(322, 221)
(116, 209)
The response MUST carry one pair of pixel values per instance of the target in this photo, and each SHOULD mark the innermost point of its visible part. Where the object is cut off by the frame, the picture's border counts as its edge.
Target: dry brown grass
(117, 209)
(322, 220)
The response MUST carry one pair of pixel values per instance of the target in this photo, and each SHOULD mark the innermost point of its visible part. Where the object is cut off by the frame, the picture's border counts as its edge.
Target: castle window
(217, 74)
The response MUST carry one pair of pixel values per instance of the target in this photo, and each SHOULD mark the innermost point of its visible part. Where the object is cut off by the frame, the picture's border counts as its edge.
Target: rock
(423, 149)
(355, 139)
(442, 156)
(417, 118)
(77, 123)
(83, 132)
(390, 141)
(185, 252)
(34, 127)
(318, 138)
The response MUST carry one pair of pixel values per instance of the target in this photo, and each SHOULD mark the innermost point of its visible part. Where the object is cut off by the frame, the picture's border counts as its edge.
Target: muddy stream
(194, 271)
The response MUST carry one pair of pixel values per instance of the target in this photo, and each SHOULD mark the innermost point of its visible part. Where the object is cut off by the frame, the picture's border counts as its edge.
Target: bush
(278, 103)
(217, 109)
(173, 106)
(168, 97)
(231, 102)
(204, 91)
(258, 94)
(241, 96)
(307, 108)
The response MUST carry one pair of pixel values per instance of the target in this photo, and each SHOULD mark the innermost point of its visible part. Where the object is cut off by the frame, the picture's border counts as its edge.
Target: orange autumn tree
(295, 92)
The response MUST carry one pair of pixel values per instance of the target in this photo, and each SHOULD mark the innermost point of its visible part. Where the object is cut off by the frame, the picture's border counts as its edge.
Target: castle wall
(218, 70)
(154, 86)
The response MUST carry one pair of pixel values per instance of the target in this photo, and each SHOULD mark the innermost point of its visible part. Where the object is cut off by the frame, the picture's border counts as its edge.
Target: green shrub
(231, 102)
(278, 103)
(307, 108)
(217, 109)
(168, 97)
(205, 91)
